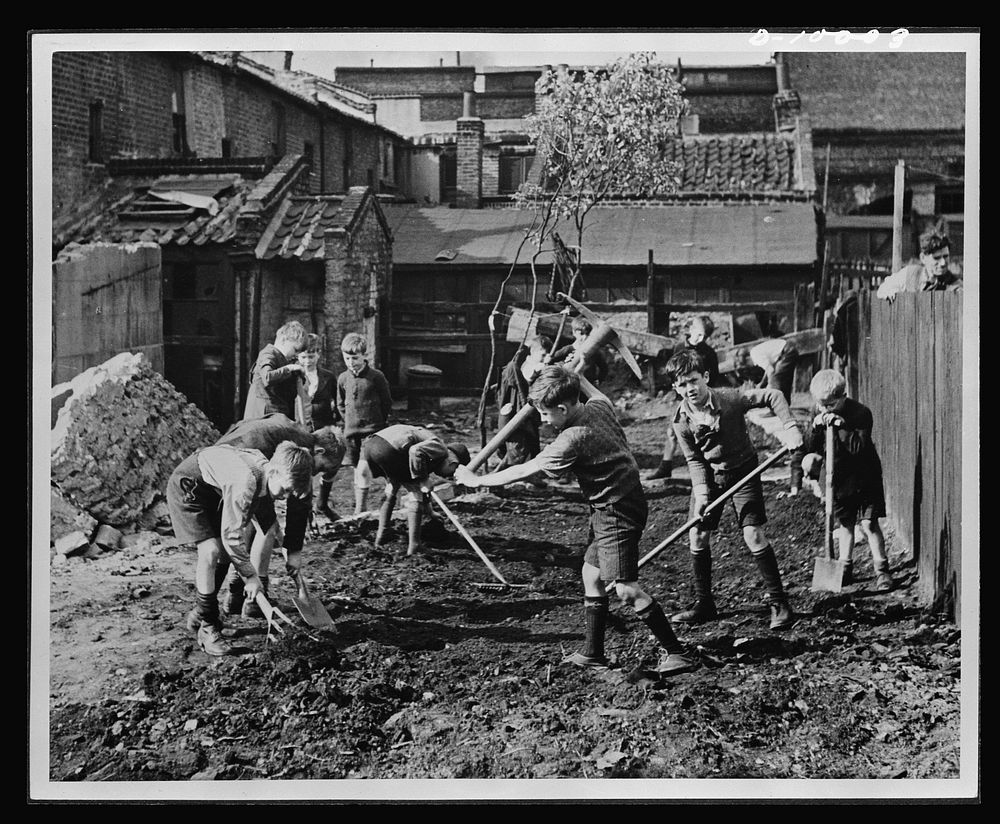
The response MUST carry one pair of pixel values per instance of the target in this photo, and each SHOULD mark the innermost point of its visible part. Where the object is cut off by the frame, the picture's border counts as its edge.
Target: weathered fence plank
(910, 353)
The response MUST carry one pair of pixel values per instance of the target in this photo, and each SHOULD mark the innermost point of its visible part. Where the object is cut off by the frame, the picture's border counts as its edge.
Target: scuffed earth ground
(426, 675)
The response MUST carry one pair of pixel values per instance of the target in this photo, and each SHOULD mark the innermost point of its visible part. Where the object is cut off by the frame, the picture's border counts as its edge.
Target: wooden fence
(910, 365)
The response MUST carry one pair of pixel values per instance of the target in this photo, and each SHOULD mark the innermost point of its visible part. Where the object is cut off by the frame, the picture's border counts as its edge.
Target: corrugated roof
(745, 234)
(880, 91)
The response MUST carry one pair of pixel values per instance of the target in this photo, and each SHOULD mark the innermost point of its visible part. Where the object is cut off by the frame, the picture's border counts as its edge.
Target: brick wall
(505, 107)
(469, 189)
(408, 81)
(135, 89)
(719, 113)
(491, 171)
(443, 107)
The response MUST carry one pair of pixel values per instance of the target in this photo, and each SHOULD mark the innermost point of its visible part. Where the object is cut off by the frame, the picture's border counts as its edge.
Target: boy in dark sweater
(274, 379)
(711, 429)
(406, 456)
(364, 403)
(858, 493)
(592, 445)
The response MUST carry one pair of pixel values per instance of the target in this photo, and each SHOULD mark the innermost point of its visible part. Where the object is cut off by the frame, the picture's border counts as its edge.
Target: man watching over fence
(931, 274)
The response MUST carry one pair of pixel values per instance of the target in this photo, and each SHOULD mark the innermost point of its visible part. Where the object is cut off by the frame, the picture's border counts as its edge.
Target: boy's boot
(782, 616)
(848, 578)
(360, 500)
(595, 610)
(883, 580)
(323, 504)
(673, 660)
(704, 605)
(205, 621)
(663, 471)
(251, 608)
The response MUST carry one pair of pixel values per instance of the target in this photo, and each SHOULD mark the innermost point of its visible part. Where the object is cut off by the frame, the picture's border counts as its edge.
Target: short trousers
(615, 532)
(195, 507)
(747, 502)
(353, 452)
(863, 507)
(385, 461)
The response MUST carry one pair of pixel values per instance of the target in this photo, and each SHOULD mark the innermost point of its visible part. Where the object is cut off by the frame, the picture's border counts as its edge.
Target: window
(949, 200)
(449, 176)
(307, 152)
(278, 147)
(95, 149)
(388, 162)
(227, 147)
(513, 172)
(180, 144)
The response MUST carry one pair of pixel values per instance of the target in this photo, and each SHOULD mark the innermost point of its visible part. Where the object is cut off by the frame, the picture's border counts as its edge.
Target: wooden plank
(926, 333)
(638, 343)
(954, 428)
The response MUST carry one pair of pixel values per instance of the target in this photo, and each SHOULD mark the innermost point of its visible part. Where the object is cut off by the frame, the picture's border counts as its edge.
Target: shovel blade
(828, 575)
(310, 608)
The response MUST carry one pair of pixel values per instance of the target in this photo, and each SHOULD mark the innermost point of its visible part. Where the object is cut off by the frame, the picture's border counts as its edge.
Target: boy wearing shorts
(592, 445)
(858, 492)
(212, 502)
(711, 429)
(406, 456)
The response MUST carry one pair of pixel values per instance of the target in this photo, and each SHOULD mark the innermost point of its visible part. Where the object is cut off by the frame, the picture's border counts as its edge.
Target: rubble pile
(118, 435)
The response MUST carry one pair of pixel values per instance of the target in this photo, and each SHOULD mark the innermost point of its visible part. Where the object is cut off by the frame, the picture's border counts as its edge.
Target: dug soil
(428, 674)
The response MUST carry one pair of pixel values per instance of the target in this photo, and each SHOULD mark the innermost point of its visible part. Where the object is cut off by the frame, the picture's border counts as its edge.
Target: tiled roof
(880, 91)
(300, 225)
(726, 234)
(298, 228)
(128, 223)
(760, 162)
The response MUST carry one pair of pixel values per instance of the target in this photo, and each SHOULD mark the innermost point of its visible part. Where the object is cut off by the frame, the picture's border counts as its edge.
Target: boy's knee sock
(767, 564)
(653, 617)
(701, 567)
(360, 499)
(221, 570)
(207, 607)
(595, 609)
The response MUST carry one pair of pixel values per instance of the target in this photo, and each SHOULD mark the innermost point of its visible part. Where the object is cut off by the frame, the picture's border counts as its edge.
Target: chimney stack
(468, 104)
(469, 162)
(288, 61)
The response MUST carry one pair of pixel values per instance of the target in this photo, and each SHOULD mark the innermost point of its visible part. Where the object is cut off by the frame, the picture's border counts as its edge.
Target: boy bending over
(212, 504)
(711, 428)
(406, 456)
(592, 445)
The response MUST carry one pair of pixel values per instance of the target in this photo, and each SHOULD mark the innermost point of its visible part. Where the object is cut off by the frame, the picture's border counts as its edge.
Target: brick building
(870, 109)
(140, 105)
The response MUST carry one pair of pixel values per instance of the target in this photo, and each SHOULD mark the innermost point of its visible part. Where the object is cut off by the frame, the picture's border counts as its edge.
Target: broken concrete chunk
(108, 537)
(72, 543)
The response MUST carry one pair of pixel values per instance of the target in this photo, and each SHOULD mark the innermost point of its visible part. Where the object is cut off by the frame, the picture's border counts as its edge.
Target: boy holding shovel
(592, 445)
(711, 429)
(858, 493)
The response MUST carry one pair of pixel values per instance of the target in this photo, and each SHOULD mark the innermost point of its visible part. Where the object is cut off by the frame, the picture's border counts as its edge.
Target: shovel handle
(725, 496)
(828, 497)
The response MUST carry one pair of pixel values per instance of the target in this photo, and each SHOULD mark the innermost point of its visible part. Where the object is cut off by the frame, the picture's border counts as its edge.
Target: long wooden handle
(829, 492)
(725, 496)
(468, 537)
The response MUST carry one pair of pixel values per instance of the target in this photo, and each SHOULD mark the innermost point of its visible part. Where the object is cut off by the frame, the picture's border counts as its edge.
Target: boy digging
(592, 445)
(858, 494)
(212, 501)
(711, 429)
(406, 456)
(364, 403)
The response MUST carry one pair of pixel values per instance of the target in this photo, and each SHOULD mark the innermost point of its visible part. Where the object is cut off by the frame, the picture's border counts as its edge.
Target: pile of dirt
(120, 431)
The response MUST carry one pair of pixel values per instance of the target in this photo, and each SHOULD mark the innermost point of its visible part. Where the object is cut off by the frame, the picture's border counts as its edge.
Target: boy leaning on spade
(592, 445)
(711, 429)
(858, 492)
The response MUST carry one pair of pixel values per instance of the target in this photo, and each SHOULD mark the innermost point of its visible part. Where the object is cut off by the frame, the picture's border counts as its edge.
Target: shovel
(310, 608)
(725, 496)
(828, 573)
